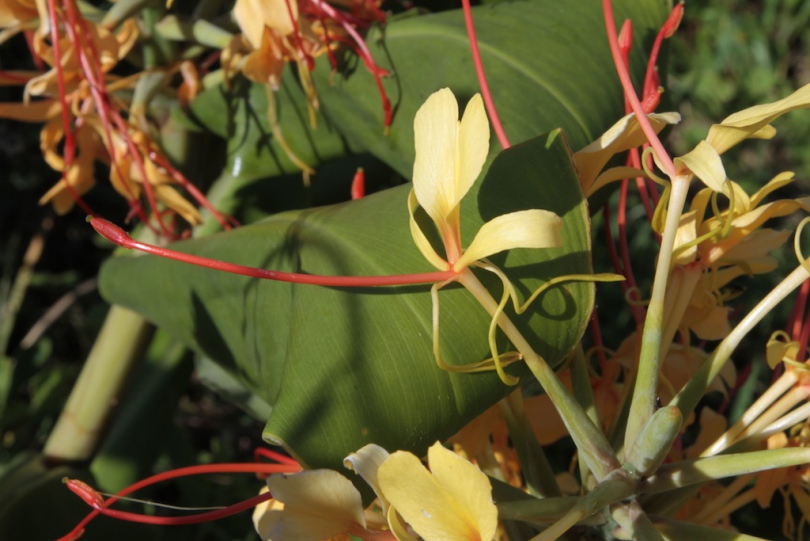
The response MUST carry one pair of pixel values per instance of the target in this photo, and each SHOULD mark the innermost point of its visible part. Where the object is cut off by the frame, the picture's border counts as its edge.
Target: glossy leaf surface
(345, 367)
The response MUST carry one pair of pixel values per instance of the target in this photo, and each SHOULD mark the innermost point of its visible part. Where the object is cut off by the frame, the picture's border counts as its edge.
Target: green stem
(690, 472)
(198, 31)
(646, 381)
(581, 386)
(539, 476)
(616, 487)
(677, 530)
(119, 344)
(635, 522)
(592, 444)
(688, 397)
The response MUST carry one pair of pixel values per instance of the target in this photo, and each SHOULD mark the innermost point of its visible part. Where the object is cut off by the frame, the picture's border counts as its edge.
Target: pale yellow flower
(451, 502)
(450, 155)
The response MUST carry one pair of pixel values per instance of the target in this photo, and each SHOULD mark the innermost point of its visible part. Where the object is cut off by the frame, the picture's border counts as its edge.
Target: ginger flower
(450, 155)
(322, 504)
(452, 502)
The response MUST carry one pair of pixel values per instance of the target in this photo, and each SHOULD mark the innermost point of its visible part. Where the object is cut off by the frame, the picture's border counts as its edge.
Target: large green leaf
(345, 367)
(548, 65)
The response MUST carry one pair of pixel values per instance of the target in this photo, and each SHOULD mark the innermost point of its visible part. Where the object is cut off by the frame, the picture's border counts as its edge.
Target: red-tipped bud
(651, 100)
(359, 184)
(110, 231)
(673, 21)
(85, 492)
(626, 38)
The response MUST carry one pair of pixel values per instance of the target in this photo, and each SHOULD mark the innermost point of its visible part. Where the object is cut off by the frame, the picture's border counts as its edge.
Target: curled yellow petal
(366, 463)
(623, 135)
(533, 228)
(704, 161)
(754, 121)
(454, 503)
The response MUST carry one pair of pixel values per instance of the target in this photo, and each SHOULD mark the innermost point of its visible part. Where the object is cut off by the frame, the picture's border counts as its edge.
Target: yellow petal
(435, 130)
(169, 197)
(756, 246)
(473, 145)
(467, 485)
(420, 240)
(366, 463)
(709, 323)
(33, 111)
(318, 504)
(705, 163)
(449, 153)
(533, 228)
(782, 179)
(250, 22)
(623, 135)
(751, 121)
(612, 175)
(453, 504)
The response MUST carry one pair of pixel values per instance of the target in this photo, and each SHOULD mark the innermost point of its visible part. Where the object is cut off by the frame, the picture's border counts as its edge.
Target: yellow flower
(322, 504)
(449, 157)
(754, 122)
(454, 502)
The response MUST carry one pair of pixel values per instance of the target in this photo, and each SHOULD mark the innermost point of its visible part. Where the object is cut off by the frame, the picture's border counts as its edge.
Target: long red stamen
(482, 77)
(794, 325)
(177, 521)
(263, 452)
(630, 93)
(225, 221)
(84, 491)
(363, 52)
(116, 235)
(667, 30)
(69, 151)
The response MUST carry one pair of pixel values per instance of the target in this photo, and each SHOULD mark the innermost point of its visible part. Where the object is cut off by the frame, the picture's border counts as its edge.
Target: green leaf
(548, 65)
(240, 115)
(345, 367)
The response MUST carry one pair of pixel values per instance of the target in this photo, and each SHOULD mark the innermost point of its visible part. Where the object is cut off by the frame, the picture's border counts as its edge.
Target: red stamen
(634, 160)
(190, 519)
(635, 309)
(273, 455)
(482, 78)
(630, 93)
(794, 325)
(363, 52)
(359, 184)
(116, 235)
(667, 30)
(596, 334)
(306, 57)
(804, 339)
(198, 196)
(183, 472)
(85, 492)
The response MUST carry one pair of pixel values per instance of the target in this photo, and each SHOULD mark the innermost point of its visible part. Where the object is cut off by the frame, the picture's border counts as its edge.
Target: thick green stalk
(644, 393)
(120, 343)
(691, 472)
(593, 446)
